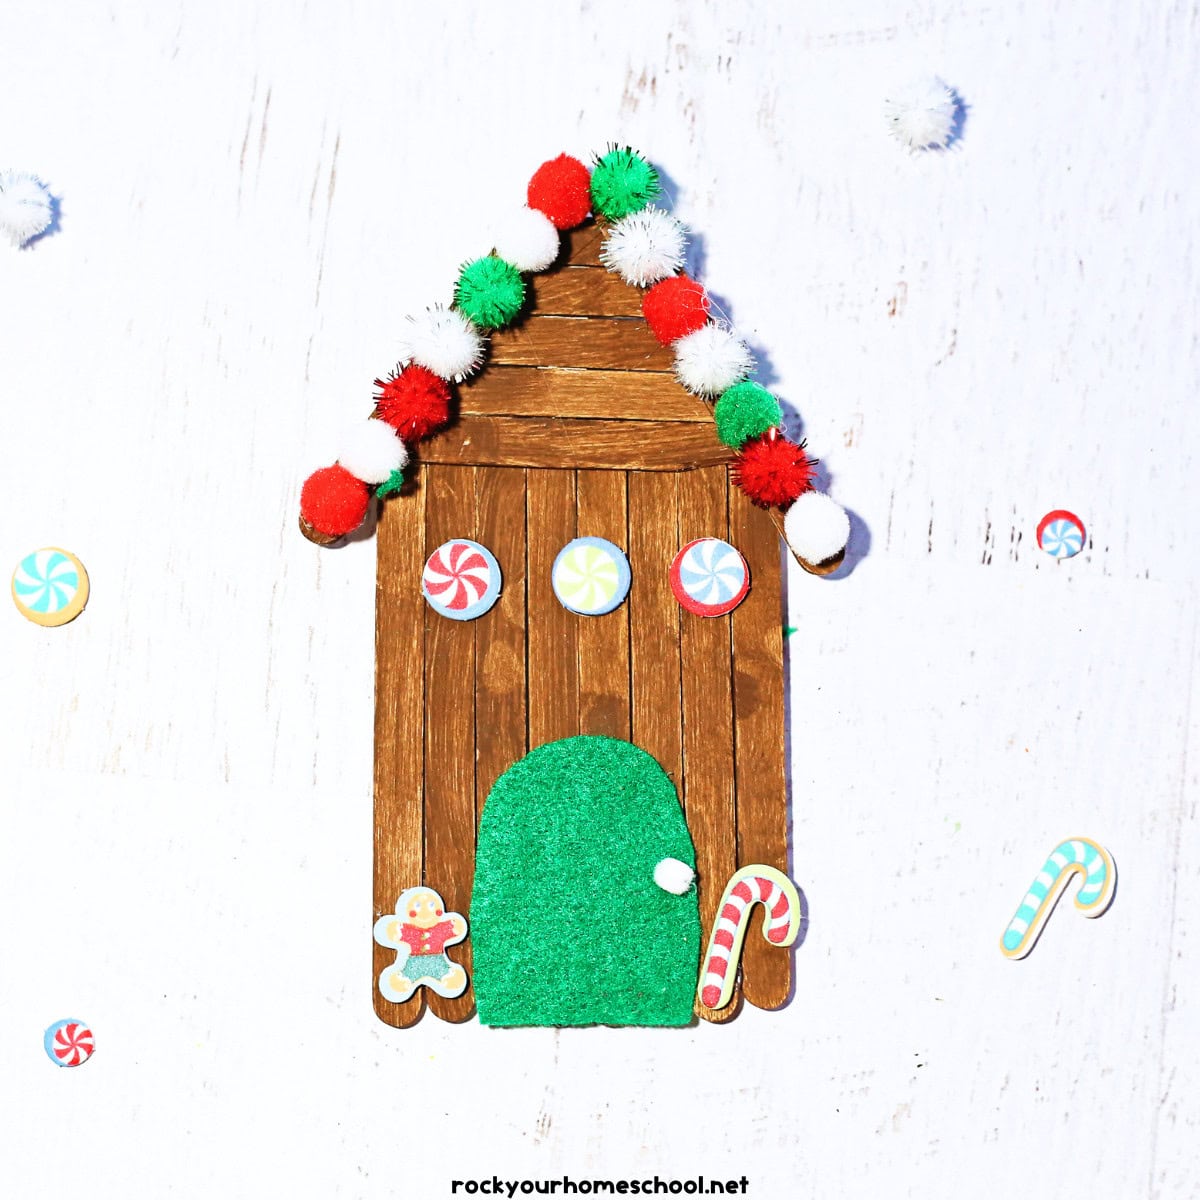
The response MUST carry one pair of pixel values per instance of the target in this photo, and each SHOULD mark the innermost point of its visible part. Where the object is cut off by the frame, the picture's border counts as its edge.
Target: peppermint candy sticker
(590, 576)
(709, 577)
(50, 586)
(461, 580)
(1061, 534)
(69, 1043)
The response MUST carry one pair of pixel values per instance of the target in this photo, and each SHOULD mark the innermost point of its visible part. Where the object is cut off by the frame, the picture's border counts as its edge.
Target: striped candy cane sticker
(747, 887)
(1076, 856)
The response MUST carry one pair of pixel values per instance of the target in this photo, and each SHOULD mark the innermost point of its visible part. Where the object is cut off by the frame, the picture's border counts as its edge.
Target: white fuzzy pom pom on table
(443, 341)
(371, 451)
(920, 114)
(711, 360)
(25, 206)
(645, 247)
(816, 527)
(527, 239)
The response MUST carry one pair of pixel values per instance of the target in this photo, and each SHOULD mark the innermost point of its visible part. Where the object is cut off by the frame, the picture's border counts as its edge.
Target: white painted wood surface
(252, 197)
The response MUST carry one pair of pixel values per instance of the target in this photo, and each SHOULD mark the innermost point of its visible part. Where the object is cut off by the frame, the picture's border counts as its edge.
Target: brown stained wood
(603, 642)
(551, 630)
(583, 292)
(399, 710)
(759, 733)
(583, 444)
(581, 246)
(607, 343)
(565, 392)
(708, 771)
(500, 722)
(449, 727)
(654, 622)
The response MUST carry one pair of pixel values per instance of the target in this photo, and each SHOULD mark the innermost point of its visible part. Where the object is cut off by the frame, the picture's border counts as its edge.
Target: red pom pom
(772, 471)
(333, 502)
(414, 402)
(561, 188)
(674, 308)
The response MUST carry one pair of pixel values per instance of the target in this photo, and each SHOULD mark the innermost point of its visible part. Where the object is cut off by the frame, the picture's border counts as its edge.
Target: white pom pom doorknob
(921, 114)
(673, 876)
(25, 207)
(527, 239)
(817, 530)
(371, 451)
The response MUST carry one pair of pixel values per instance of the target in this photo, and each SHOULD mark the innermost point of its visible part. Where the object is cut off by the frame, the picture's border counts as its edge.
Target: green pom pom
(490, 292)
(623, 182)
(746, 411)
(393, 483)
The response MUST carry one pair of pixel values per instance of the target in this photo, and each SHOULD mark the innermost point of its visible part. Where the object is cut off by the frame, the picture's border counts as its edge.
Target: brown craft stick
(759, 732)
(708, 770)
(604, 641)
(551, 630)
(582, 245)
(399, 711)
(500, 721)
(565, 392)
(449, 728)
(654, 622)
(584, 292)
(545, 442)
(611, 343)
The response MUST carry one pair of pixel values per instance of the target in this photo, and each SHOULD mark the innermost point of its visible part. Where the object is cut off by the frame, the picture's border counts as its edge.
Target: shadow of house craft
(577, 426)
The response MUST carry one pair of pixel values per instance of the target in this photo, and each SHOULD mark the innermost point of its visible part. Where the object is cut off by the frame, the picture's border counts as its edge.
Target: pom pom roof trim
(634, 183)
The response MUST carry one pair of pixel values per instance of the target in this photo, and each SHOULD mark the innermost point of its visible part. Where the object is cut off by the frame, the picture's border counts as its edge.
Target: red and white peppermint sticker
(461, 580)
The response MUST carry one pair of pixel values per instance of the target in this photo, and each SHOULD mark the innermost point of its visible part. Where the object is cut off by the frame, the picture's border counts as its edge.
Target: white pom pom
(816, 527)
(371, 451)
(645, 247)
(527, 239)
(673, 876)
(921, 114)
(711, 360)
(25, 208)
(443, 341)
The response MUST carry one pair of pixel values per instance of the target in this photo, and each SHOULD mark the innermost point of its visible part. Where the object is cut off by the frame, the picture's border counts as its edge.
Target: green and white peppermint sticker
(590, 576)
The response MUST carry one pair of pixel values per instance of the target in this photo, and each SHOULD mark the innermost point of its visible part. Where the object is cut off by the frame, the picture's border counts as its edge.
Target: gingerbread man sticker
(419, 931)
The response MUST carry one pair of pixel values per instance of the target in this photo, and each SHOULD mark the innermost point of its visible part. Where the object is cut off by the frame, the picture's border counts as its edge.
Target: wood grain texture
(584, 292)
(603, 641)
(554, 444)
(500, 685)
(708, 750)
(581, 246)
(552, 631)
(572, 392)
(607, 343)
(759, 736)
(654, 621)
(399, 709)
(449, 728)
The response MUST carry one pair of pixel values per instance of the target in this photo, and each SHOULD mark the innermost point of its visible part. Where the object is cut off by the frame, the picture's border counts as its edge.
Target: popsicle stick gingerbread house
(577, 426)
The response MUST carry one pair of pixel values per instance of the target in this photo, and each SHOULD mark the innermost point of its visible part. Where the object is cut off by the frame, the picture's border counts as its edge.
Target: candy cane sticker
(747, 887)
(1075, 856)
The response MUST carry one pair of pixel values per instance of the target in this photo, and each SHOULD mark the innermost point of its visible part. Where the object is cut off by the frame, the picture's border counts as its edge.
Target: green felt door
(567, 924)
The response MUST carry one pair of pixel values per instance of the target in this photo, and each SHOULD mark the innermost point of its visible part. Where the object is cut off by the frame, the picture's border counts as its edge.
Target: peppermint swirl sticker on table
(709, 577)
(461, 580)
(1061, 534)
(50, 586)
(69, 1043)
(590, 576)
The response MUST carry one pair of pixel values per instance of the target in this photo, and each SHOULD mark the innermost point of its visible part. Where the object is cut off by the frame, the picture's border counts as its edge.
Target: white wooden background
(252, 197)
